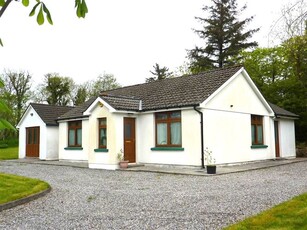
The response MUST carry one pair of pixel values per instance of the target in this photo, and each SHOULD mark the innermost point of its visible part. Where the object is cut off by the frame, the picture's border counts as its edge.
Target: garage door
(32, 142)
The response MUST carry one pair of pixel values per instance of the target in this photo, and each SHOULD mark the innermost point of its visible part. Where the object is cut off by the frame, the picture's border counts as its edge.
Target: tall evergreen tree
(223, 34)
(159, 73)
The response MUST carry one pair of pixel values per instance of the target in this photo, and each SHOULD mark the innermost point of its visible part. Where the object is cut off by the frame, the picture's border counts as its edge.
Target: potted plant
(210, 166)
(122, 162)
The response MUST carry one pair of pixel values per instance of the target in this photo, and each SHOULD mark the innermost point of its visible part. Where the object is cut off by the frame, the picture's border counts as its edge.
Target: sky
(119, 37)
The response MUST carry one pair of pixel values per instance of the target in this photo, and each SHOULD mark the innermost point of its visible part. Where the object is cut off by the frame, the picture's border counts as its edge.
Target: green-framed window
(168, 129)
(257, 129)
(75, 134)
(102, 129)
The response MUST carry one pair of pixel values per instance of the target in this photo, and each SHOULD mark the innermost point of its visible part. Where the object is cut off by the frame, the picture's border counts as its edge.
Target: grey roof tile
(122, 103)
(49, 113)
(169, 93)
(176, 92)
(78, 111)
(282, 112)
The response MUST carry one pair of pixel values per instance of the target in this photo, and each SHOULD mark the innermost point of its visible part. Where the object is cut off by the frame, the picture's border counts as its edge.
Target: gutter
(201, 135)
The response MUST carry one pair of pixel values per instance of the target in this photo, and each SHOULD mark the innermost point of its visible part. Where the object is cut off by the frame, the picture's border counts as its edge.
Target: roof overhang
(100, 102)
(25, 114)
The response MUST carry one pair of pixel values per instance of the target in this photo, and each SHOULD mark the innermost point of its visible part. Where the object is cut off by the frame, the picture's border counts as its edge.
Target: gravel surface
(98, 199)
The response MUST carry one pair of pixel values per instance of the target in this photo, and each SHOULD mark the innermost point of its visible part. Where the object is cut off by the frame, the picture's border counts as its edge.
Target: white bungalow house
(39, 132)
(172, 121)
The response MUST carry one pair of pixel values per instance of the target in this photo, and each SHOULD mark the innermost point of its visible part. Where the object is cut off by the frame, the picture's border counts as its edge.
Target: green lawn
(290, 215)
(9, 153)
(14, 187)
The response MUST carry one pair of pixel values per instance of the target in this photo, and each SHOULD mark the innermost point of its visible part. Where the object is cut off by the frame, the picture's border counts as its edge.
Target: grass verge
(289, 215)
(9, 153)
(14, 187)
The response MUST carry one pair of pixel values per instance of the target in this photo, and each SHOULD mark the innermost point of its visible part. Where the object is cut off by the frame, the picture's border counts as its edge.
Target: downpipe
(201, 135)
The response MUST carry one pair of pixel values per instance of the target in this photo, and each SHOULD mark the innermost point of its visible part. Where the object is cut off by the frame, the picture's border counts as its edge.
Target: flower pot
(123, 164)
(211, 169)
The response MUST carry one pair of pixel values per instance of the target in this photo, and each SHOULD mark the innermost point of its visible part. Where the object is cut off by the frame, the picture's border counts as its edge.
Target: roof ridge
(120, 96)
(61, 106)
(179, 77)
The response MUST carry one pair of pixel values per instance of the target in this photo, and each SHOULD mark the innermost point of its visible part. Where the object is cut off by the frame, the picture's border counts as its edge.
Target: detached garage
(38, 131)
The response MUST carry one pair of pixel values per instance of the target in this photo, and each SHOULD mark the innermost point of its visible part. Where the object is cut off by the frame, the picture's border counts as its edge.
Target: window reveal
(257, 130)
(102, 133)
(75, 134)
(168, 129)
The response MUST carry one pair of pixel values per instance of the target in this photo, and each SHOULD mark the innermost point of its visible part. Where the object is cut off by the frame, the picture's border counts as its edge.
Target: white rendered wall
(238, 96)
(227, 123)
(75, 154)
(191, 155)
(228, 136)
(52, 140)
(105, 160)
(287, 138)
(31, 121)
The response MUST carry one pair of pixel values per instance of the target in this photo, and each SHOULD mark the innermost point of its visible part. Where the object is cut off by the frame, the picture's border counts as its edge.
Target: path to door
(83, 198)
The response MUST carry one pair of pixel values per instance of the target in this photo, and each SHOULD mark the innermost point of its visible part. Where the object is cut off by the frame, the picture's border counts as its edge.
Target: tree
(182, 70)
(56, 90)
(103, 83)
(159, 73)
(17, 92)
(296, 55)
(4, 124)
(265, 65)
(223, 34)
(80, 5)
(291, 23)
(281, 75)
(81, 95)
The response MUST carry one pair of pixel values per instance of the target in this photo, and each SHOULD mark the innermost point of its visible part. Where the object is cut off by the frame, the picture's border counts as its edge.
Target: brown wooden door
(32, 142)
(276, 131)
(129, 139)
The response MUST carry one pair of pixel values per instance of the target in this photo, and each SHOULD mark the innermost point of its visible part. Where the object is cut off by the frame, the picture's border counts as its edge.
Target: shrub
(301, 150)
(4, 146)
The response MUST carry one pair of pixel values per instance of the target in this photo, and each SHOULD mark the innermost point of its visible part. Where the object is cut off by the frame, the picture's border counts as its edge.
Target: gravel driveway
(84, 198)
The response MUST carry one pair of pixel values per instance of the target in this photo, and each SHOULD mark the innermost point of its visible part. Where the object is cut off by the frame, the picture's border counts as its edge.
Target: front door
(129, 139)
(276, 130)
(32, 142)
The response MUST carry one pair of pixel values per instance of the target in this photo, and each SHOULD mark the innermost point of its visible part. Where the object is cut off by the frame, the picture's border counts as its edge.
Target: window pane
(79, 136)
(259, 134)
(127, 131)
(29, 136)
(161, 116)
(253, 134)
(103, 122)
(103, 137)
(176, 133)
(34, 136)
(162, 134)
(175, 114)
(71, 137)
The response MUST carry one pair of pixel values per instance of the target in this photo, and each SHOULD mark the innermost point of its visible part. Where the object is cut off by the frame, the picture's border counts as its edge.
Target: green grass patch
(14, 187)
(289, 215)
(9, 153)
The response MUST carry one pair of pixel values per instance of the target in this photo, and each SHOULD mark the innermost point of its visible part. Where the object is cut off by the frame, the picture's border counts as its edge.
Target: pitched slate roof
(175, 92)
(123, 103)
(282, 112)
(169, 93)
(77, 112)
(49, 113)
